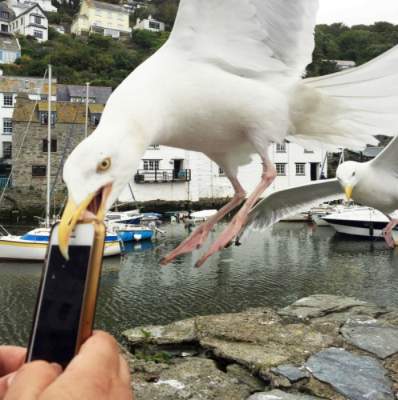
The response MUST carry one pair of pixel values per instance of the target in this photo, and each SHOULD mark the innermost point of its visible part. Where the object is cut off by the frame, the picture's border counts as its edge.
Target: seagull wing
(387, 160)
(247, 37)
(284, 203)
(347, 108)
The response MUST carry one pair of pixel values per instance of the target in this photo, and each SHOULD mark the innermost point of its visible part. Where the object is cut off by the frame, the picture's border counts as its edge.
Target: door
(314, 171)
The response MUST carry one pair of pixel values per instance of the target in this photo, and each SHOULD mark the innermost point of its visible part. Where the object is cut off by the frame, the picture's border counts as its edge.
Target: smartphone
(67, 295)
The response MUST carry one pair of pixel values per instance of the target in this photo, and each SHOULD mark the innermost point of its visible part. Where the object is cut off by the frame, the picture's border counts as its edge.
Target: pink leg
(234, 227)
(387, 232)
(198, 237)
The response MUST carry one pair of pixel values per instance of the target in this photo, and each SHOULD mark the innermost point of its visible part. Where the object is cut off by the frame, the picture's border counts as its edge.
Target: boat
(200, 216)
(32, 246)
(360, 222)
(131, 233)
(132, 217)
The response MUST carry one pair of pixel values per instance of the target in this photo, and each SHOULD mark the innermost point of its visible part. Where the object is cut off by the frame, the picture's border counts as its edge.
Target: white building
(10, 49)
(172, 174)
(19, 5)
(149, 24)
(31, 21)
(10, 87)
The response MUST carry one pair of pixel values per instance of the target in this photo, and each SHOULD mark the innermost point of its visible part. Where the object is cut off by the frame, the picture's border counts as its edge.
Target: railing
(4, 182)
(162, 176)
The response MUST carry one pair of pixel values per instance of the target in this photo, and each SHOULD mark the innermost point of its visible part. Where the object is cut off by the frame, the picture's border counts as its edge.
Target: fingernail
(11, 378)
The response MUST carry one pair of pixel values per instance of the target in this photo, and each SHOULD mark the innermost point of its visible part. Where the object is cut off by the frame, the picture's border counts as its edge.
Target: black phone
(67, 295)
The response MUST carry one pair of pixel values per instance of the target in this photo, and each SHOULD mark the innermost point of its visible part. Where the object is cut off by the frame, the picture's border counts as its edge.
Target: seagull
(227, 83)
(373, 184)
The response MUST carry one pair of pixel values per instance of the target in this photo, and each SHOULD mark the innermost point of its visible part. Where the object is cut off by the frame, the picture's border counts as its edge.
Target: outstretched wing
(247, 37)
(387, 160)
(284, 203)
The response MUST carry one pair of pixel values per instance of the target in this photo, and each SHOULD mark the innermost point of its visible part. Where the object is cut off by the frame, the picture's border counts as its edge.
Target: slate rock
(372, 337)
(355, 377)
(279, 395)
(291, 372)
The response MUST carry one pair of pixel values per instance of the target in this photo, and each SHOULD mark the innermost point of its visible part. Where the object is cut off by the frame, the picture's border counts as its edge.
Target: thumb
(31, 380)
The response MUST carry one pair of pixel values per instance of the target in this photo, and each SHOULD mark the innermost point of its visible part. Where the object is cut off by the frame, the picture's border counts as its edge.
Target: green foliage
(359, 43)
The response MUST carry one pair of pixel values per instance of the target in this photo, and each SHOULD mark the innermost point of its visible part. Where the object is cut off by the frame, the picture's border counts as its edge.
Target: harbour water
(272, 268)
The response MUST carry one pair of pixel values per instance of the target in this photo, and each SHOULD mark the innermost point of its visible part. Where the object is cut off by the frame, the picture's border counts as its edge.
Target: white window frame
(7, 126)
(38, 34)
(280, 169)
(8, 100)
(151, 165)
(9, 150)
(281, 147)
(300, 169)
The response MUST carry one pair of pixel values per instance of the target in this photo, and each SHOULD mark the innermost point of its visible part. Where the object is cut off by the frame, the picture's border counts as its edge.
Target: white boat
(200, 216)
(360, 222)
(33, 245)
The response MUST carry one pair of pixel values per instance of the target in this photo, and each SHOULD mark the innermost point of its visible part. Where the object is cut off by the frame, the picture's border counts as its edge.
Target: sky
(354, 12)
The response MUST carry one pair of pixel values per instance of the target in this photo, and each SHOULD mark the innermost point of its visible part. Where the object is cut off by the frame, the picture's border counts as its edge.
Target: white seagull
(373, 183)
(227, 83)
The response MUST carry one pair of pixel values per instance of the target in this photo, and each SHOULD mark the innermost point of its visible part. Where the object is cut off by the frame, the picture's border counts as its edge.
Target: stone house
(29, 169)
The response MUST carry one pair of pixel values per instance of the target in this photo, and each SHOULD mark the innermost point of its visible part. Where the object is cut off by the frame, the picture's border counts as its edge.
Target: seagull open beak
(348, 191)
(92, 207)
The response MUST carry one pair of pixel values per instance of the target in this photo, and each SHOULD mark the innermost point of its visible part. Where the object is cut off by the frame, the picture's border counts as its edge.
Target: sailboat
(32, 246)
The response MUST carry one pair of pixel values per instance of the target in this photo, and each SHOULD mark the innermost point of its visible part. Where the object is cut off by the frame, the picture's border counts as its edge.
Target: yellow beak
(70, 217)
(348, 192)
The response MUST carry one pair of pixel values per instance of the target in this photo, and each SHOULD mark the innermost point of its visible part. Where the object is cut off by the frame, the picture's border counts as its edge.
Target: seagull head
(348, 175)
(95, 174)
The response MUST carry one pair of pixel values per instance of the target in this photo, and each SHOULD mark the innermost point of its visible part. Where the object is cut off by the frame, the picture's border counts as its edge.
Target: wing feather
(247, 37)
(284, 203)
(387, 160)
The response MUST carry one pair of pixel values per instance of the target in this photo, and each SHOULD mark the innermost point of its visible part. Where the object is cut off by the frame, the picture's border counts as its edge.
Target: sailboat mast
(48, 200)
(86, 121)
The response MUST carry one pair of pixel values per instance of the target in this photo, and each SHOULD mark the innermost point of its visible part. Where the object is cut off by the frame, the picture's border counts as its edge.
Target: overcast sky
(353, 12)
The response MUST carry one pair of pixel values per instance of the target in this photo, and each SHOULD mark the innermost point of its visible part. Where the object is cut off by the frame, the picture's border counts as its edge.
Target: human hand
(11, 359)
(98, 372)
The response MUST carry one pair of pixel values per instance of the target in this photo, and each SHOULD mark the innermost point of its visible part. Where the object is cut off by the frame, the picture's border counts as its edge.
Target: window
(281, 147)
(95, 119)
(7, 150)
(8, 100)
(300, 169)
(308, 151)
(4, 14)
(53, 145)
(39, 170)
(38, 34)
(154, 25)
(37, 20)
(4, 28)
(151, 165)
(44, 118)
(280, 169)
(221, 172)
(7, 126)
(154, 147)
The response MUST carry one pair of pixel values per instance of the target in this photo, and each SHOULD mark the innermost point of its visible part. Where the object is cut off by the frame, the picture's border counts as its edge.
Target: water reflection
(275, 268)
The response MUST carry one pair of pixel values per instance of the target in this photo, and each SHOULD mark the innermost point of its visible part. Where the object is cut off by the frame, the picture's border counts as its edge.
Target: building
(10, 87)
(30, 21)
(178, 175)
(20, 5)
(341, 65)
(10, 49)
(30, 167)
(150, 24)
(103, 18)
(6, 16)
(77, 93)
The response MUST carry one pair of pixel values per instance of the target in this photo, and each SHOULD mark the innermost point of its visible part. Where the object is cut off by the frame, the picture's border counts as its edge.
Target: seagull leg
(234, 227)
(198, 237)
(387, 232)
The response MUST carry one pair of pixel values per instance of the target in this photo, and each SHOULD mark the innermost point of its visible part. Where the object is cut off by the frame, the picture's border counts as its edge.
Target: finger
(11, 358)
(100, 351)
(31, 380)
(4, 383)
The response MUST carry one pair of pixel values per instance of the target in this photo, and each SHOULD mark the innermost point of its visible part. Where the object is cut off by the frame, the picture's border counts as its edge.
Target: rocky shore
(321, 346)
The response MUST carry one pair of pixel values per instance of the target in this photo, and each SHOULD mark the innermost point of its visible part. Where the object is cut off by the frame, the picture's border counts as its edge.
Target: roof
(9, 43)
(107, 6)
(25, 11)
(96, 108)
(17, 84)
(67, 113)
(43, 106)
(100, 94)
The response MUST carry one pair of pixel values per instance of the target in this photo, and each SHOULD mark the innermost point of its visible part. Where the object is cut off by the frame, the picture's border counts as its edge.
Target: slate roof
(4, 8)
(107, 6)
(100, 94)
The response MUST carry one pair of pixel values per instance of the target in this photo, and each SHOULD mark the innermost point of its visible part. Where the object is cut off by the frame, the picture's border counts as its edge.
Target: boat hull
(135, 235)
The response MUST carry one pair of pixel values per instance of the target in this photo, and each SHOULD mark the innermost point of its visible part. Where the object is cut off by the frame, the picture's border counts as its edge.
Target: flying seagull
(227, 83)
(373, 183)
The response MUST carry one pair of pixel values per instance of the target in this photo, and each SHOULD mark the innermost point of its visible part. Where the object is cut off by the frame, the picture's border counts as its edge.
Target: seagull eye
(104, 165)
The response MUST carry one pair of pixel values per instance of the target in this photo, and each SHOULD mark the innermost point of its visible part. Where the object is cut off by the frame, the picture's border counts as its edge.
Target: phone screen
(56, 326)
